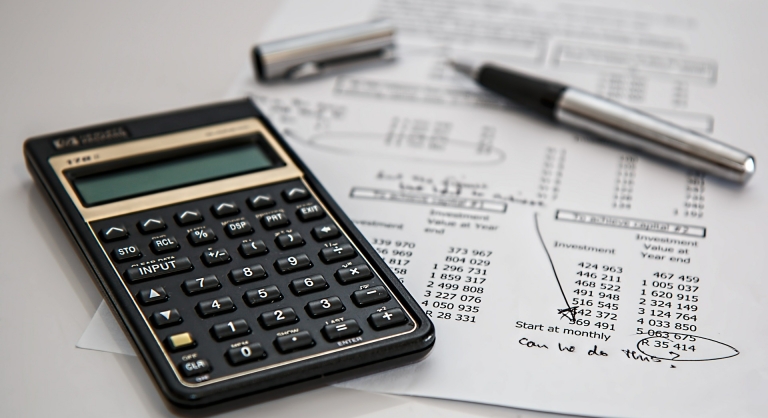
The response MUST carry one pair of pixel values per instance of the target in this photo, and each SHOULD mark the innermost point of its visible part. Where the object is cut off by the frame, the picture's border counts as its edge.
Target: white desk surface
(70, 64)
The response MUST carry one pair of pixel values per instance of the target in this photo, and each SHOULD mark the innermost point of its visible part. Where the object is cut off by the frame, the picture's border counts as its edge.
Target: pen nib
(465, 67)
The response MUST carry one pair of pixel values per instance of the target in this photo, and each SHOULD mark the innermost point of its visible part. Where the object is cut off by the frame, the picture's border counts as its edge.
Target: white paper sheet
(562, 274)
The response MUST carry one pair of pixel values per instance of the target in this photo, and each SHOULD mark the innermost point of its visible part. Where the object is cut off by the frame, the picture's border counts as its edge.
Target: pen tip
(465, 67)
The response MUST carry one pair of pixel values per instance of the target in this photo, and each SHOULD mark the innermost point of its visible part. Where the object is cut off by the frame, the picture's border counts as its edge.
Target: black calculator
(227, 263)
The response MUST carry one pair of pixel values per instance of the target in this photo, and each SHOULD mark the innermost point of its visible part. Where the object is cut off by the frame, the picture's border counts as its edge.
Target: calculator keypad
(264, 276)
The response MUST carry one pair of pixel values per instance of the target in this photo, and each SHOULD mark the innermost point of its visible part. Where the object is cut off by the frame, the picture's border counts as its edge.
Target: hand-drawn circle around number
(679, 356)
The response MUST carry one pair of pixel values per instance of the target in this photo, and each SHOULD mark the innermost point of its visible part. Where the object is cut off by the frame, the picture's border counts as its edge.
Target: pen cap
(320, 52)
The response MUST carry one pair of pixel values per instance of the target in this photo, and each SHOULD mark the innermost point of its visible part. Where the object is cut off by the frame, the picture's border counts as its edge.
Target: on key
(294, 263)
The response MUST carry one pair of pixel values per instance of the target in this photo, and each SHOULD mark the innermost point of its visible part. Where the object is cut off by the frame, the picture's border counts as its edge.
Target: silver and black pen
(613, 121)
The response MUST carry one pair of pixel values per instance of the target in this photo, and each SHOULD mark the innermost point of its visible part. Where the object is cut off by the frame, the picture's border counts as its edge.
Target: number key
(246, 353)
(306, 285)
(294, 263)
(230, 329)
(247, 274)
(212, 307)
(262, 296)
(278, 317)
(323, 307)
(201, 285)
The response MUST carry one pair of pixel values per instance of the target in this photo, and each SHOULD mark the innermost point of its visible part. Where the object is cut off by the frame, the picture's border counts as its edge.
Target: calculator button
(201, 285)
(295, 194)
(310, 213)
(337, 253)
(164, 245)
(195, 367)
(188, 217)
(278, 318)
(167, 318)
(247, 274)
(158, 269)
(231, 329)
(306, 285)
(181, 341)
(262, 296)
(238, 229)
(296, 341)
(253, 248)
(201, 236)
(289, 240)
(215, 257)
(370, 296)
(323, 307)
(130, 252)
(387, 319)
(261, 201)
(353, 274)
(114, 233)
(325, 232)
(275, 220)
(290, 264)
(246, 354)
(152, 296)
(341, 330)
(148, 226)
(215, 306)
(221, 210)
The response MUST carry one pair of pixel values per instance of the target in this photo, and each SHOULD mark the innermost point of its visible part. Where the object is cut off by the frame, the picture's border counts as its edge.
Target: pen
(613, 121)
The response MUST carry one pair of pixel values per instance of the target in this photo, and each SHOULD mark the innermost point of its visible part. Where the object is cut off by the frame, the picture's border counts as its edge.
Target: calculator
(227, 263)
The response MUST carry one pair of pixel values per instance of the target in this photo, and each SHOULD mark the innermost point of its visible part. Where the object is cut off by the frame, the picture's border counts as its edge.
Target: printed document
(562, 273)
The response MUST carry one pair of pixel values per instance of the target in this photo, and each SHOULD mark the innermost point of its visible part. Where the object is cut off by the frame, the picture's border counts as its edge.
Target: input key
(158, 268)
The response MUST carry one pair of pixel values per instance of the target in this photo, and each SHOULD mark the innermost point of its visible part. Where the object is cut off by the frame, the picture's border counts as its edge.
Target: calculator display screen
(170, 173)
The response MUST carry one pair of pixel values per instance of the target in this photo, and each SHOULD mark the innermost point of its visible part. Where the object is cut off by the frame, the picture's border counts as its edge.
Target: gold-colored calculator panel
(210, 134)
